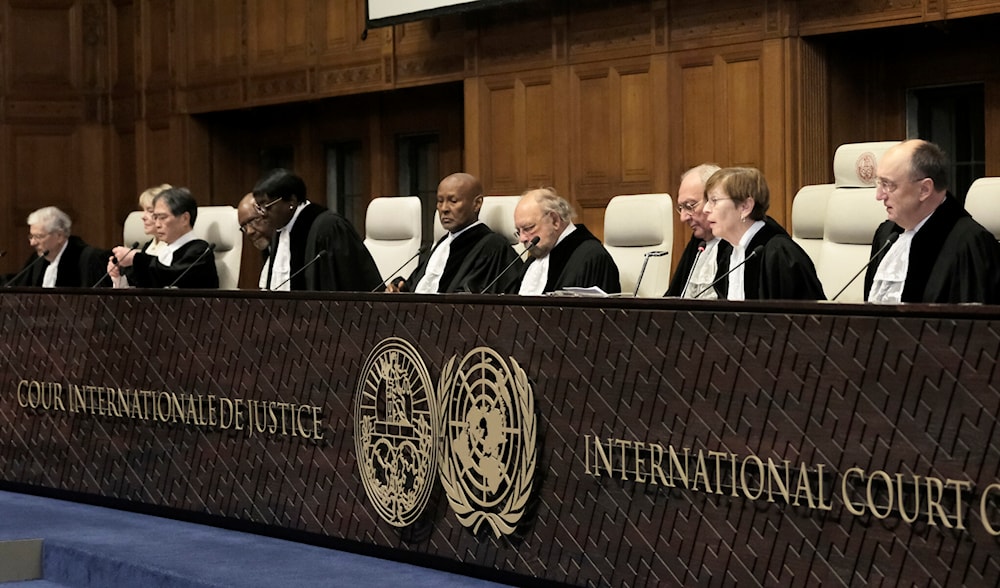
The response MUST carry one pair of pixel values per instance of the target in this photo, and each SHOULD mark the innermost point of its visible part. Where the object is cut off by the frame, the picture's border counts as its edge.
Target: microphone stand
(381, 285)
(511, 264)
(642, 272)
(322, 253)
(697, 256)
(18, 275)
(755, 251)
(211, 247)
(114, 260)
(889, 241)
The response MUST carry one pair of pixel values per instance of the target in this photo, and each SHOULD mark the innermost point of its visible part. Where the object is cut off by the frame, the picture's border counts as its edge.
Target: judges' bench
(585, 441)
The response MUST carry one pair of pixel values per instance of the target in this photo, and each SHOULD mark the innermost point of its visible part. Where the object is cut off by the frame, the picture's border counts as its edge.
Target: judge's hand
(124, 255)
(397, 285)
(113, 270)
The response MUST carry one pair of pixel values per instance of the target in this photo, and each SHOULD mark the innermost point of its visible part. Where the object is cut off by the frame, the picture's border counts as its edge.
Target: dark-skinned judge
(184, 262)
(941, 253)
(470, 256)
(737, 200)
(567, 255)
(308, 237)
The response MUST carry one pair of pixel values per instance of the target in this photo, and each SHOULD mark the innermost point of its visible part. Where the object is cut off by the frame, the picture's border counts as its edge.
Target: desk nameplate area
(587, 442)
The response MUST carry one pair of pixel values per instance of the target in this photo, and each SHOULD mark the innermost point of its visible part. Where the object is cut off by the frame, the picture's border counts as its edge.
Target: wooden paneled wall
(101, 98)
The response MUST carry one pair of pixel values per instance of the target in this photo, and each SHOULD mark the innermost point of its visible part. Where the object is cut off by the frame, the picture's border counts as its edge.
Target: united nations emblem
(395, 415)
(487, 458)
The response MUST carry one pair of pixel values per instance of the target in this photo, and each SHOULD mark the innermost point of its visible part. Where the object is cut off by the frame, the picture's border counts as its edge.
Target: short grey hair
(704, 172)
(52, 219)
(549, 201)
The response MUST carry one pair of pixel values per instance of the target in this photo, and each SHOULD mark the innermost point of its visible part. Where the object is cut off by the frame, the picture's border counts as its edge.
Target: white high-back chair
(635, 225)
(983, 203)
(215, 224)
(852, 215)
(393, 233)
(809, 218)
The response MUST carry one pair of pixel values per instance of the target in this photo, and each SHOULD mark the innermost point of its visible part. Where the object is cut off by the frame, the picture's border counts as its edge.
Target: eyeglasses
(689, 207)
(262, 210)
(529, 229)
(254, 222)
(889, 186)
(161, 216)
(716, 200)
(37, 237)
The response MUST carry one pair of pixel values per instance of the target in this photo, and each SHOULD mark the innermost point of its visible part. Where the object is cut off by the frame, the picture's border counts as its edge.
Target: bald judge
(470, 257)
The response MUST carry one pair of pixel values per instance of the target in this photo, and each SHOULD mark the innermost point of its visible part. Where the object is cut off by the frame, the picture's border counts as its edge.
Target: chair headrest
(855, 164)
(393, 218)
(219, 225)
(637, 220)
(983, 203)
(852, 216)
(809, 211)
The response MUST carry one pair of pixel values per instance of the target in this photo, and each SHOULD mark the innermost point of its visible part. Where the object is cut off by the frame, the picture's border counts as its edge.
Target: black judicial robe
(347, 265)
(192, 258)
(80, 266)
(476, 258)
(686, 263)
(579, 261)
(782, 271)
(953, 259)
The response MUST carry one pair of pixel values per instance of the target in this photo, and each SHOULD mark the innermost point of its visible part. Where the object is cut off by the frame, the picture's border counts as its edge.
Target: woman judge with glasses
(312, 248)
(773, 266)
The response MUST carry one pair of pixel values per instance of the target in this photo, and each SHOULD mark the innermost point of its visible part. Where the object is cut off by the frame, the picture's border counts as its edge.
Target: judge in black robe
(687, 261)
(477, 258)
(952, 258)
(775, 267)
(80, 266)
(470, 257)
(576, 258)
(192, 263)
(325, 252)
(782, 270)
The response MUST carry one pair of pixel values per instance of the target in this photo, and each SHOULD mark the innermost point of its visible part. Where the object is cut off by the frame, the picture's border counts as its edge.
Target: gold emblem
(487, 460)
(395, 415)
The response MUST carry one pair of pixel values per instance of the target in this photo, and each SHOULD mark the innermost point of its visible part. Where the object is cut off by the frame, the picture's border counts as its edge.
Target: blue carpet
(90, 546)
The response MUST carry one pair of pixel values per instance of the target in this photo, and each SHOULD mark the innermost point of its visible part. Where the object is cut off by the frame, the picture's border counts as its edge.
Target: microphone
(114, 260)
(322, 253)
(645, 260)
(756, 250)
(211, 247)
(701, 249)
(511, 264)
(889, 241)
(26, 268)
(381, 285)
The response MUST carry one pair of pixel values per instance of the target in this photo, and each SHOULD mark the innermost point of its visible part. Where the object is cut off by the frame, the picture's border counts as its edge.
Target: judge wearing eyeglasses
(737, 199)
(183, 261)
(308, 237)
(941, 254)
(699, 264)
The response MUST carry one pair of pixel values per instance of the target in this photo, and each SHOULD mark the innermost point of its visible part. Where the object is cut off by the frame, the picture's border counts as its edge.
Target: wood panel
(37, 65)
(277, 33)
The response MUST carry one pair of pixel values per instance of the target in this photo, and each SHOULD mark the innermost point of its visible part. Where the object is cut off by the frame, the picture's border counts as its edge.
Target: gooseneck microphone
(642, 272)
(889, 241)
(210, 248)
(701, 249)
(511, 264)
(381, 285)
(18, 275)
(756, 251)
(322, 253)
(115, 261)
